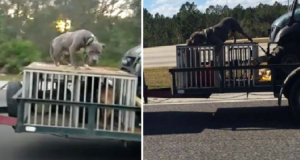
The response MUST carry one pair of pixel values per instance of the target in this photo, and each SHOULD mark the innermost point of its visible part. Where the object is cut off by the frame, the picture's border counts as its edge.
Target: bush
(16, 54)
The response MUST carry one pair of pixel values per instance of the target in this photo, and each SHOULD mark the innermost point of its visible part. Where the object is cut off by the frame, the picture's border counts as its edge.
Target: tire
(289, 58)
(12, 104)
(284, 58)
(294, 99)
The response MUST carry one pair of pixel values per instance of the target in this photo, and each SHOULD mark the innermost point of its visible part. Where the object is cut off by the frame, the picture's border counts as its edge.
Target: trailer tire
(294, 99)
(12, 104)
(286, 54)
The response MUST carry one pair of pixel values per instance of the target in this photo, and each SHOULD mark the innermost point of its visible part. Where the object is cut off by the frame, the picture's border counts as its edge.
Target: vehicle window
(297, 14)
(281, 21)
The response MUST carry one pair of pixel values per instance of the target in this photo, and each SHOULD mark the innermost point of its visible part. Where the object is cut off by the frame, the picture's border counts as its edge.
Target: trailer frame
(277, 86)
(24, 97)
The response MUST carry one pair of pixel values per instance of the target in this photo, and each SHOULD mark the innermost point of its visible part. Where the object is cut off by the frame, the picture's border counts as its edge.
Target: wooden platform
(41, 66)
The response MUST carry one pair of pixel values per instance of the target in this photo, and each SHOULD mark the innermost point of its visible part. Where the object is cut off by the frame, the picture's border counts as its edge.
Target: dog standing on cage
(217, 35)
(64, 47)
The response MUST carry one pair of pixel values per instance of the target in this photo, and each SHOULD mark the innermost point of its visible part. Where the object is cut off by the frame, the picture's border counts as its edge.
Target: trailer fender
(288, 82)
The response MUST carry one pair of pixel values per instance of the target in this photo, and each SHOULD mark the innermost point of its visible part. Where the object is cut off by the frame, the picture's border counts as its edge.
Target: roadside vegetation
(28, 26)
(161, 31)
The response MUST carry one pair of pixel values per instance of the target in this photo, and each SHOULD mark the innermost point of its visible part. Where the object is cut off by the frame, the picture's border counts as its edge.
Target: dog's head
(197, 38)
(94, 52)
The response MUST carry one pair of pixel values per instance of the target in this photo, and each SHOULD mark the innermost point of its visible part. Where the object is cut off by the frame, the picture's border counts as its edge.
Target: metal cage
(82, 100)
(205, 57)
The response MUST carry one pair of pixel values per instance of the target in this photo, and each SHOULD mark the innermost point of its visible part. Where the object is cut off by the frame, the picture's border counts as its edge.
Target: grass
(158, 77)
(10, 77)
(109, 63)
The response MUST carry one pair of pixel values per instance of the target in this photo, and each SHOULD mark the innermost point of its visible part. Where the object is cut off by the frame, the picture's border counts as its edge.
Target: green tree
(33, 23)
(160, 30)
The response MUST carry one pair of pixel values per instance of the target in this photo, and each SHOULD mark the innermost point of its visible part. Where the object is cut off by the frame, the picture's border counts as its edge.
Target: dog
(110, 99)
(64, 47)
(217, 35)
(101, 97)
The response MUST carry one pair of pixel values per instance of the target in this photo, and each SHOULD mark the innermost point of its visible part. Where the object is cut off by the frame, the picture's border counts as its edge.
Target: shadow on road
(52, 148)
(236, 119)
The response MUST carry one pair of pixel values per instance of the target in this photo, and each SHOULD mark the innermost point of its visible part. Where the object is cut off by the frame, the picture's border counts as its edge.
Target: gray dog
(217, 34)
(64, 47)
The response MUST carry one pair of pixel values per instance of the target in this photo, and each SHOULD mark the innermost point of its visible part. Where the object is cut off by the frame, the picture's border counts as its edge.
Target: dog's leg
(246, 35)
(109, 100)
(64, 59)
(72, 51)
(85, 64)
(55, 56)
(55, 62)
(234, 37)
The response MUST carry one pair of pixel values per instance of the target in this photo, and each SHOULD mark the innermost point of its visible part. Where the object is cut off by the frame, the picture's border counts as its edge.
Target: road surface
(220, 131)
(166, 55)
(27, 146)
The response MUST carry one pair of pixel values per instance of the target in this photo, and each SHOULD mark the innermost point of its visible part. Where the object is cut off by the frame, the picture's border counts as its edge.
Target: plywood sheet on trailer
(63, 68)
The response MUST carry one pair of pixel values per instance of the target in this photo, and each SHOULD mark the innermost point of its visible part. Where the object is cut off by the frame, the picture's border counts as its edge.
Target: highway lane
(25, 146)
(220, 131)
(166, 55)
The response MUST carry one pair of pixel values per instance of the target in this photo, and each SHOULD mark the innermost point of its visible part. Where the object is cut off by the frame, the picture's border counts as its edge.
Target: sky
(171, 7)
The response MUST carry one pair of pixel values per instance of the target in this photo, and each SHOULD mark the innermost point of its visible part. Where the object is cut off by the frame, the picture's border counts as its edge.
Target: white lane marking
(221, 101)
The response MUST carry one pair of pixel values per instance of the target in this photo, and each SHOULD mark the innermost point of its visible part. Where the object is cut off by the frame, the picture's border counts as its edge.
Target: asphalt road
(221, 131)
(25, 146)
(165, 56)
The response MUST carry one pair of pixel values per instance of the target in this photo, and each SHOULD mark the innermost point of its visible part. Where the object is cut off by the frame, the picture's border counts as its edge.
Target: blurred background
(161, 30)
(28, 26)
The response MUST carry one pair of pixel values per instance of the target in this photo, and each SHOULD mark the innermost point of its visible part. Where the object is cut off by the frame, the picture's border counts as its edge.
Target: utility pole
(288, 5)
(227, 7)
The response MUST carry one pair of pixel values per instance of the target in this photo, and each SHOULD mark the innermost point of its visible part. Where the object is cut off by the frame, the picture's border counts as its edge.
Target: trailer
(63, 101)
(197, 76)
